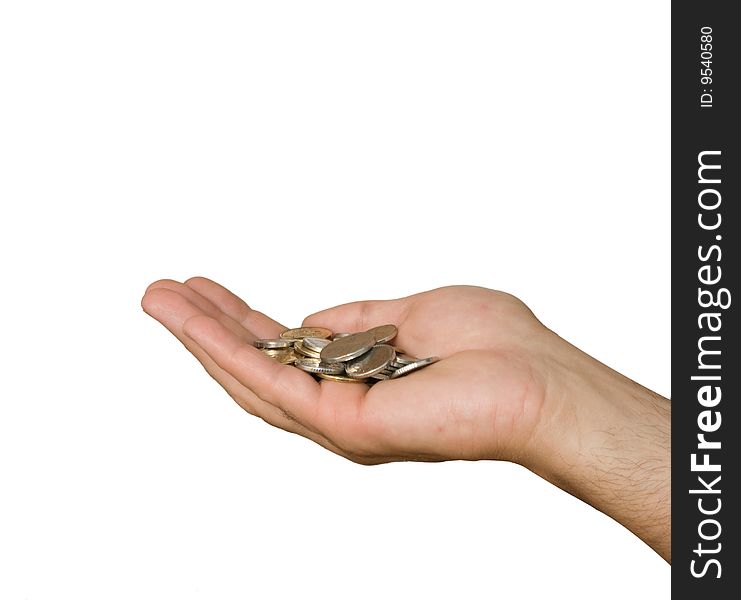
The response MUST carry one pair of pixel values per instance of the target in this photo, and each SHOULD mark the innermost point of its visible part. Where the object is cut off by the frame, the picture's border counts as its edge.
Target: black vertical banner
(706, 420)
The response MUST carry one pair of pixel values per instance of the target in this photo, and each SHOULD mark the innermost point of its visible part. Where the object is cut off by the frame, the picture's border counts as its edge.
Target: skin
(506, 388)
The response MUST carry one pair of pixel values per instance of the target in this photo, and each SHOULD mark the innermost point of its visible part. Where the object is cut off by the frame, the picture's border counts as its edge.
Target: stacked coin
(364, 357)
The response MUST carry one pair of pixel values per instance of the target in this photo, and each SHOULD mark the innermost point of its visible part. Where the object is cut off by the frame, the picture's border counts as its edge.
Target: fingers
(173, 310)
(283, 386)
(359, 316)
(203, 304)
(333, 411)
(218, 328)
(231, 305)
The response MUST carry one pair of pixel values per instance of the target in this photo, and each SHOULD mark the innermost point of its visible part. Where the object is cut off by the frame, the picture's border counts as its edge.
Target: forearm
(606, 440)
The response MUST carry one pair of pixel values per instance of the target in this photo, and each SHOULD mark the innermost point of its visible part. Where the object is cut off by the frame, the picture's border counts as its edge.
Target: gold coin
(284, 356)
(274, 352)
(287, 359)
(301, 332)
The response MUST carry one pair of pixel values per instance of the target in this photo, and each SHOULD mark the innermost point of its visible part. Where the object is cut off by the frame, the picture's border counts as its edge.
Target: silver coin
(386, 373)
(273, 343)
(372, 362)
(313, 344)
(403, 359)
(337, 336)
(380, 376)
(299, 333)
(348, 347)
(383, 333)
(314, 365)
(423, 362)
(304, 351)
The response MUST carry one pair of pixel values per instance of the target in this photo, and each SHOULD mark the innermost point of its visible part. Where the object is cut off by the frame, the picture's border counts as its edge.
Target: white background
(522, 146)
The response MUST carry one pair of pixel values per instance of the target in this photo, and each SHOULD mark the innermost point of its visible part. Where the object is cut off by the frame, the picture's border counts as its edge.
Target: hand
(506, 388)
(482, 400)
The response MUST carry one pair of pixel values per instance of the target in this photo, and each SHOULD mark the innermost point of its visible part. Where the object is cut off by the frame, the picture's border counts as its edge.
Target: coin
(284, 356)
(346, 357)
(287, 359)
(372, 362)
(423, 362)
(314, 365)
(381, 376)
(348, 347)
(303, 350)
(383, 333)
(273, 343)
(304, 332)
(343, 378)
(403, 359)
(313, 344)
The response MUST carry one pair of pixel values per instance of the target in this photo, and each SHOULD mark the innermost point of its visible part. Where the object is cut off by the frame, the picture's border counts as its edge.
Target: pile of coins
(364, 357)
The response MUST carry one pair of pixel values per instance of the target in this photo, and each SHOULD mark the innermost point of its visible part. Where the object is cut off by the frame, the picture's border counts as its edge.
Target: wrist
(605, 439)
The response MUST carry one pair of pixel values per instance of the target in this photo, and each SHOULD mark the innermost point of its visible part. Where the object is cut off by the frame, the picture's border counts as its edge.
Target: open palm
(482, 400)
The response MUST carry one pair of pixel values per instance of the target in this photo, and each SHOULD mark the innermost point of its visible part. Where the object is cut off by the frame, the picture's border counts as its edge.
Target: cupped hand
(506, 388)
(483, 400)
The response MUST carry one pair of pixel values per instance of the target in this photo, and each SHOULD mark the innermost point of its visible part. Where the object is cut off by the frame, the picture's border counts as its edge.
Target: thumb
(358, 316)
